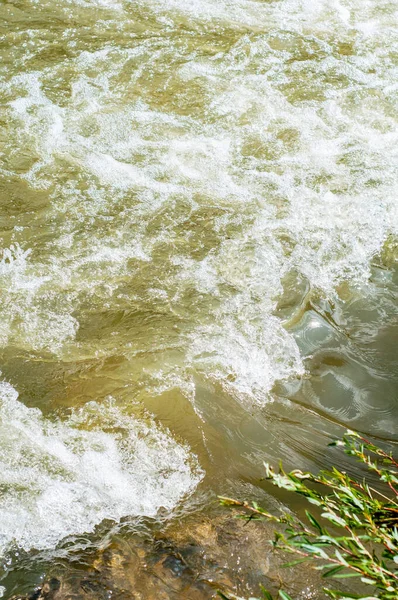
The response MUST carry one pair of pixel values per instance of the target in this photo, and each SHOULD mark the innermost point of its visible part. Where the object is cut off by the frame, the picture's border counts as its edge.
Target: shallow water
(199, 268)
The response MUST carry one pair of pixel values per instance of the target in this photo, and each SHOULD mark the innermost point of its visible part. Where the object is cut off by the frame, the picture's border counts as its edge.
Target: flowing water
(199, 225)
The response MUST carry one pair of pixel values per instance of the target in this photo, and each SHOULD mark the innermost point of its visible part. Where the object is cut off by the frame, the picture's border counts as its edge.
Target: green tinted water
(199, 265)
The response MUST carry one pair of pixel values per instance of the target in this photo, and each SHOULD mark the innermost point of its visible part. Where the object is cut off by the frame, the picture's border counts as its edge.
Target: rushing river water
(199, 224)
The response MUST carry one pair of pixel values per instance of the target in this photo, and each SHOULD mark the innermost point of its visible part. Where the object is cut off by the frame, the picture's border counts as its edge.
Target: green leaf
(315, 550)
(284, 595)
(314, 522)
(265, 593)
(368, 517)
(293, 563)
(346, 575)
(368, 581)
(334, 518)
(341, 558)
(331, 572)
(346, 596)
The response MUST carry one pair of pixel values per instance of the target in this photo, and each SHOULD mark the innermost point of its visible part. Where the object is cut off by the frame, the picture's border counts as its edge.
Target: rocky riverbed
(190, 561)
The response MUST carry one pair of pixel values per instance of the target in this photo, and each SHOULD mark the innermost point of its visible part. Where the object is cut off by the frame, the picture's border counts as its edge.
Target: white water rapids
(166, 167)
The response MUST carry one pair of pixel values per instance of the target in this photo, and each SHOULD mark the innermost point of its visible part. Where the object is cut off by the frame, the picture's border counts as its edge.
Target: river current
(198, 223)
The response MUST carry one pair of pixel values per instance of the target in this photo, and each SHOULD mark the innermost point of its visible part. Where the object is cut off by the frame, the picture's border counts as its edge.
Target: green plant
(364, 542)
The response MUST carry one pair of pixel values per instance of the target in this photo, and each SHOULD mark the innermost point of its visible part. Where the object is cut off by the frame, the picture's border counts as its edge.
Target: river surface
(198, 272)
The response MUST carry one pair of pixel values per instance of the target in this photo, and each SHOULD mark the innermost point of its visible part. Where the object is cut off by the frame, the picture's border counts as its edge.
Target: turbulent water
(199, 220)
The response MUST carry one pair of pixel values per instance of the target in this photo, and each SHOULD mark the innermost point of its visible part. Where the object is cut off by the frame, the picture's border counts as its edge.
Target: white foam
(246, 360)
(293, 136)
(25, 289)
(65, 477)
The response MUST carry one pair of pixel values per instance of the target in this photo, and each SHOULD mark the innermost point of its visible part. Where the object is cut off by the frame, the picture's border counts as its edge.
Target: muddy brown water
(198, 224)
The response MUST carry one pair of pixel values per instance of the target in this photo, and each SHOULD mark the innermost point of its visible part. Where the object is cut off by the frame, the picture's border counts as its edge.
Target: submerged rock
(190, 561)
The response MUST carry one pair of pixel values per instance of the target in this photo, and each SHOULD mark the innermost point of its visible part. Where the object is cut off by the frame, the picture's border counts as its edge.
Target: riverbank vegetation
(352, 529)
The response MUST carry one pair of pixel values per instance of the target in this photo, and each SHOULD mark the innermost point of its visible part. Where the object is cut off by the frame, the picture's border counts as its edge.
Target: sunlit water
(199, 268)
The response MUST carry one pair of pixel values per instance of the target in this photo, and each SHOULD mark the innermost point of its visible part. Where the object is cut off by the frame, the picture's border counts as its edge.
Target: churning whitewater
(65, 477)
(170, 170)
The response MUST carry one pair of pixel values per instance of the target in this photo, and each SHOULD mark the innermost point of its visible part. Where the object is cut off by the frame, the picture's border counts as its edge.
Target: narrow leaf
(293, 563)
(265, 593)
(331, 572)
(314, 522)
(284, 595)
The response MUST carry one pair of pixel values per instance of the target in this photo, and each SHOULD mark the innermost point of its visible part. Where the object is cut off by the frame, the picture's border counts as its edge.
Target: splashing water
(66, 477)
(169, 169)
